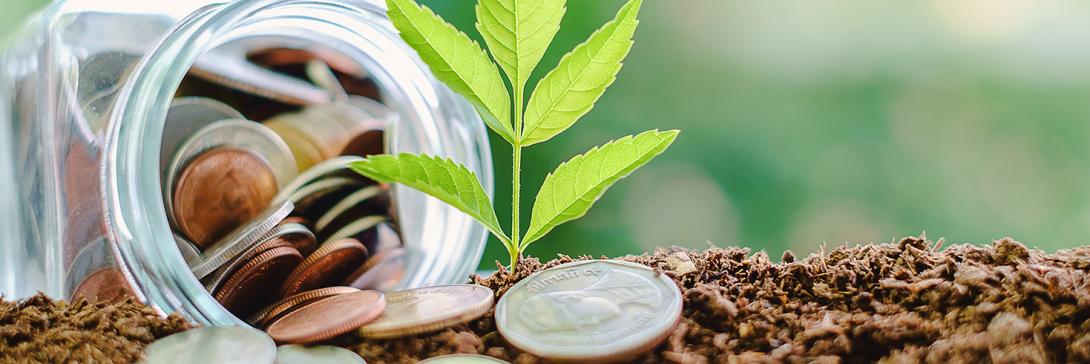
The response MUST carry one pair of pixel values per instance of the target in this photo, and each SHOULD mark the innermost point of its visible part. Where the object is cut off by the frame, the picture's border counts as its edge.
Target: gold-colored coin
(421, 310)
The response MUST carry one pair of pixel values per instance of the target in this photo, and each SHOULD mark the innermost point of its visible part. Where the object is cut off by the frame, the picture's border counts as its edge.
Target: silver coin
(462, 359)
(428, 309)
(377, 109)
(291, 231)
(185, 117)
(322, 354)
(318, 171)
(347, 203)
(316, 190)
(320, 73)
(355, 228)
(593, 310)
(190, 252)
(240, 240)
(212, 344)
(227, 65)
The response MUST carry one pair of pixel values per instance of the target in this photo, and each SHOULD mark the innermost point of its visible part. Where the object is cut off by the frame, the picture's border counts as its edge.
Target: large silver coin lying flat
(212, 344)
(597, 310)
(420, 310)
(322, 354)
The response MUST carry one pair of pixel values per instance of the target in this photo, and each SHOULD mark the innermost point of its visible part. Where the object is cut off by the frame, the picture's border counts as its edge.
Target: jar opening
(444, 245)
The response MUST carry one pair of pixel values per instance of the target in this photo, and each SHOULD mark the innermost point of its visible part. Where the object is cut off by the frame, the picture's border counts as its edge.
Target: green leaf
(576, 185)
(518, 32)
(568, 92)
(457, 61)
(441, 178)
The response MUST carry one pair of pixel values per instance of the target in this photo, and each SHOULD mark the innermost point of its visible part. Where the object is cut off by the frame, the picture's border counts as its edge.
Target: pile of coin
(265, 211)
(327, 313)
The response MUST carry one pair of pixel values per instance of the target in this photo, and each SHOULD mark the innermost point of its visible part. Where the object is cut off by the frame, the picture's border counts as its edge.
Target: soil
(40, 330)
(892, 303)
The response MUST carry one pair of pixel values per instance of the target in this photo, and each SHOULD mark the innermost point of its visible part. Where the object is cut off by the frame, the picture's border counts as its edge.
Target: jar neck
(135, 214)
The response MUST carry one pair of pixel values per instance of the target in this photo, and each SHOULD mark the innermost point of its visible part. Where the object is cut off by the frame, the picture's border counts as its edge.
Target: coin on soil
(219, 191)
(270, 313)
(462, 359)
(212, 344)
(321, 354)
(255, 284)
(428, 309)
(596, 310)
(327, 318)
(329, 265)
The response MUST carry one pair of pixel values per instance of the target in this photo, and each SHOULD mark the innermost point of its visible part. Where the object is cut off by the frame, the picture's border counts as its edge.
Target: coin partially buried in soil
(597, 310)
(321, 354)
(428, 309)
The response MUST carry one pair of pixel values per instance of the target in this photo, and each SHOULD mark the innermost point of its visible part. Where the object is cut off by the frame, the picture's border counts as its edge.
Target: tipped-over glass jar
(85, 90)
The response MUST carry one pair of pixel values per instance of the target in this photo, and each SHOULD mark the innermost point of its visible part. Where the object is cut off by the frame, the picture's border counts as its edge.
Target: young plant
(517, 33)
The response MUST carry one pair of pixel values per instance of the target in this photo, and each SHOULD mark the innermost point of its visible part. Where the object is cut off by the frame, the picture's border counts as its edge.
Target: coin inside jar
(383, 274)
(219, 191)
(255, 284)
(328, 318)
(329, 265)
(105, 285)
(428, 309)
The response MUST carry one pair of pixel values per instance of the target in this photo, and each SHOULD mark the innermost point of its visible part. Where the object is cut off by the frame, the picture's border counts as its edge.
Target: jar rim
(134, 220)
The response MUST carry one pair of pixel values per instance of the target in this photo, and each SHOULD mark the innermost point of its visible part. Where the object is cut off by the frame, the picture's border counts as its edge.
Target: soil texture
(41, 330)
(907, 302)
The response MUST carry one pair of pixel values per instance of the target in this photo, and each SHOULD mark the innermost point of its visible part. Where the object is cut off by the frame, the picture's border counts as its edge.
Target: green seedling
(517, 33)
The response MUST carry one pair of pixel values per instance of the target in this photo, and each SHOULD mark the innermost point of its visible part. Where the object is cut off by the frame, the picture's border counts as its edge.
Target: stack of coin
(267, 214)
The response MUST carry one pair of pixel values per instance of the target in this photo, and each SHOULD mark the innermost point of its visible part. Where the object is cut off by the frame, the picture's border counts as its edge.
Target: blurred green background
(826, 122)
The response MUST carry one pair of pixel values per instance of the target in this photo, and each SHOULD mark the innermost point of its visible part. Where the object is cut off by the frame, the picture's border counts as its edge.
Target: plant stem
(516, 186)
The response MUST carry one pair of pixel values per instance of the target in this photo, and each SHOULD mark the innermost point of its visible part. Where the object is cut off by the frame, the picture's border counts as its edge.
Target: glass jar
(84, 91)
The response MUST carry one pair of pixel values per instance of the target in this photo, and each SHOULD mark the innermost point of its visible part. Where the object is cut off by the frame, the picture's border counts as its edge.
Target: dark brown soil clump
(40, 330)
(896, 303)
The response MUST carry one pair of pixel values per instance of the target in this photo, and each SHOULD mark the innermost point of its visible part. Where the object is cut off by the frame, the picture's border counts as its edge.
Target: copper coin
(298, 235)
(329, 265)
(219, 191)
(382, 272)
(296, 220)
(268, 314)
(218, 279)
(365, 144)
(104, 285)
(255, 284)
(429, 309)
(328, 318)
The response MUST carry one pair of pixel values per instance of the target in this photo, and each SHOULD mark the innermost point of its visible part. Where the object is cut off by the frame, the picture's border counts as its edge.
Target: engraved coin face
(212, 344)
(420, 310)
(321, 354)
(591, 310)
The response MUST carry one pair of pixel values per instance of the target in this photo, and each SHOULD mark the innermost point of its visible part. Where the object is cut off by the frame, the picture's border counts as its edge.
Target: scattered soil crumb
(907, 302)
(41, 330)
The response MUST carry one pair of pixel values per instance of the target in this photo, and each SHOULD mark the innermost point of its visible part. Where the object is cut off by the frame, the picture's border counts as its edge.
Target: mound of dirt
(41, 330)
(895, 303)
